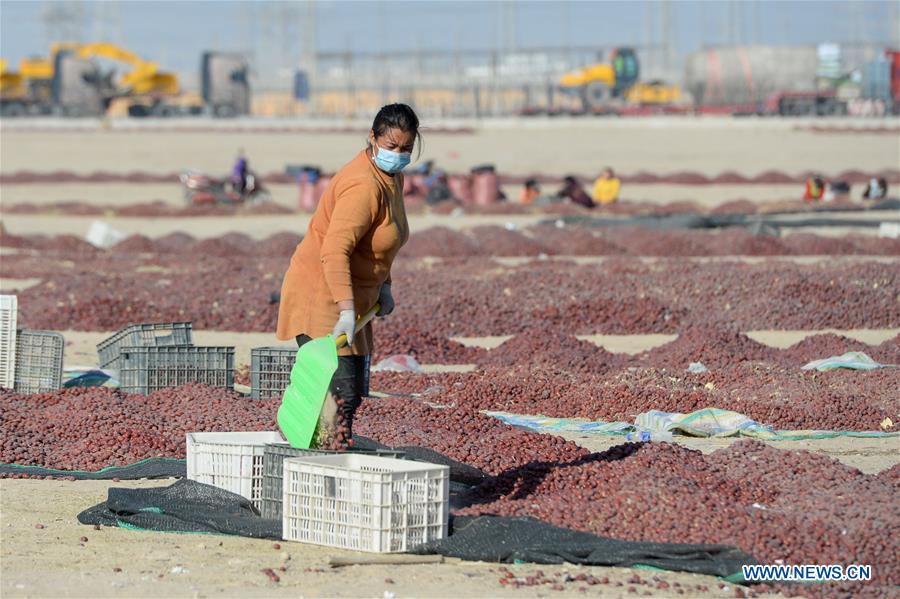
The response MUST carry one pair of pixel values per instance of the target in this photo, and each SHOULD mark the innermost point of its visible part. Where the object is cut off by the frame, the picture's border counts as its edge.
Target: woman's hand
(345, 325)
(385, 300)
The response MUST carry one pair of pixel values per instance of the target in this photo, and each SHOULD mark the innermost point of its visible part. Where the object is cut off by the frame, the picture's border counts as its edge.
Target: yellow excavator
(603, 85)
(144, 89)
(143, 78)
(26, 91)
(71, 82)
(12, 85)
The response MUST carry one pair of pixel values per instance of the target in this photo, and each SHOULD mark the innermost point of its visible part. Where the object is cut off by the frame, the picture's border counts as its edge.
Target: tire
(138, 111)
(164, 111)
(13, 109)
(596, 95)
(225, 111)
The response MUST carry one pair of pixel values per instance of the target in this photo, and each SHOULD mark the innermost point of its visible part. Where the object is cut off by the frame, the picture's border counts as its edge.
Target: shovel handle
(362, 321)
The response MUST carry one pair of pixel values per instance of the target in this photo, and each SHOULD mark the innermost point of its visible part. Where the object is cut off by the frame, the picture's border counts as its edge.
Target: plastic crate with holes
(364, 503)
(273, 470)
(8, 316)
(229, 461)
(39, 361)
(270, 370)
(153, 334)
(148, 369)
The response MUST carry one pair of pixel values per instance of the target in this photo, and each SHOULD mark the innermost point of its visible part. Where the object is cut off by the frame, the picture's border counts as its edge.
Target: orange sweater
(353, 237)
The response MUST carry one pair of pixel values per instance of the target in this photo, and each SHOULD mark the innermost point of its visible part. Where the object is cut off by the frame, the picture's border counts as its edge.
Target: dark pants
(349, 383)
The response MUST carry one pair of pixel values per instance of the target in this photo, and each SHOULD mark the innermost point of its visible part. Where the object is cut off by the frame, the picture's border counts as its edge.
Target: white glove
(385, 300)
(345, 325)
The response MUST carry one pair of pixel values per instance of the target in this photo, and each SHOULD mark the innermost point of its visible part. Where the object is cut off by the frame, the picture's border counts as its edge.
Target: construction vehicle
(73, 82)
(224, 84)
(12, 90)
(143, 88)
(604, 87)
(26, 91)
(69, 86)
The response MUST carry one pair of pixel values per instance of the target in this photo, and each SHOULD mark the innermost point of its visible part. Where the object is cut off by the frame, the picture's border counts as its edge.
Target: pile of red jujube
(790, 507)
(226, 283)
(91, 428)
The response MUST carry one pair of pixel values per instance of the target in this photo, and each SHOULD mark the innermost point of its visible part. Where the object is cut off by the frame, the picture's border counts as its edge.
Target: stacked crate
(8, 314)
(153, 356)
(270, 370)
(39, 361)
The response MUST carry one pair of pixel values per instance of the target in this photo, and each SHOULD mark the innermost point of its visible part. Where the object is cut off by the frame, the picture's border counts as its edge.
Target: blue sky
(174, 33)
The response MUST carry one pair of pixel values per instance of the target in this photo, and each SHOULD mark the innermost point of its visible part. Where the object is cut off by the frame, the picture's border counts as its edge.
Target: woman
(343, 265)
(572, 191)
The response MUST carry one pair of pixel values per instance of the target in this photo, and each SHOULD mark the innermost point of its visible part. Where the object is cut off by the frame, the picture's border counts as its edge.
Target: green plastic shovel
(311, 375)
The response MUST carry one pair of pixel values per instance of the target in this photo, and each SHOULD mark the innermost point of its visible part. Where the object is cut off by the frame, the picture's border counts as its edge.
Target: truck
(69, 87)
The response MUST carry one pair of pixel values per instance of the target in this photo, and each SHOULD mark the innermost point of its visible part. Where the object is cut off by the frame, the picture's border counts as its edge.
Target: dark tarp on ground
(714, 221)
(189, 506)
(149, 468)
(184, 506)
(507, 540)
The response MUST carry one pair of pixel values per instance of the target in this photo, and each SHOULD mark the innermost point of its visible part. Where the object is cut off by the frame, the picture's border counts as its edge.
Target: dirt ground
(52, 562)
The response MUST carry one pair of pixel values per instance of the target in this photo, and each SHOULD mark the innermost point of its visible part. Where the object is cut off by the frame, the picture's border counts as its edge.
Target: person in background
(815, 189)
(876, 189)
(531, 191)
(572, 191)
(438, 188)
(606, 188)
(239, 174)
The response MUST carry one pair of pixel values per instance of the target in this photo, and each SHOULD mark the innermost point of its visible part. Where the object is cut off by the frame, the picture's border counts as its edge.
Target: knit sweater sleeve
(355, 210)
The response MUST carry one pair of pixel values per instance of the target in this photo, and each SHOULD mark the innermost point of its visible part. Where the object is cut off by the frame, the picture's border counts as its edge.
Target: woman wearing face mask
(343, 265)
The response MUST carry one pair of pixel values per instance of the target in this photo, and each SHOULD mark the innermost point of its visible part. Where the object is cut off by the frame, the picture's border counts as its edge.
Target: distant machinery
(603, 85)
(72, 82)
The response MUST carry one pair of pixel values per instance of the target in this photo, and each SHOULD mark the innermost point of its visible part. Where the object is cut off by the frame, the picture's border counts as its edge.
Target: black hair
(397, 116)
(570, 180)
(531, 183)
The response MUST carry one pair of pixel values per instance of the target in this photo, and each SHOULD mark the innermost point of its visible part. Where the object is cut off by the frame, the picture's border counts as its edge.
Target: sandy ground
(516, 147)
(637, 343)
(52, 562)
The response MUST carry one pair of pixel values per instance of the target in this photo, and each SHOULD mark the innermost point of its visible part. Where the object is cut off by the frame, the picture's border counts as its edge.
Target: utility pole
(63, 21)
(107, 22)
(649, 34)
(667, 48)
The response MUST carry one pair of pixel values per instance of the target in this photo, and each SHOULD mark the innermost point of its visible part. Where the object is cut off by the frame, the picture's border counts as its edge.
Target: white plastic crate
(8, 314)
(230, 461)
(364, 503)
